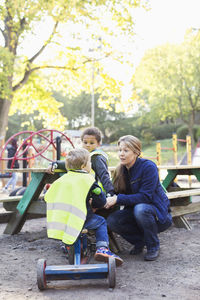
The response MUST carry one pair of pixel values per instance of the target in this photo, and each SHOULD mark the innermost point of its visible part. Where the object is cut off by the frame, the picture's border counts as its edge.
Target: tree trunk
(4, 110)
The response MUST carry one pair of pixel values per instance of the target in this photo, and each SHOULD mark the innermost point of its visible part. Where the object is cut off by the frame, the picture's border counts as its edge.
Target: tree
(168, 80)
(22, 82)
(112, 124)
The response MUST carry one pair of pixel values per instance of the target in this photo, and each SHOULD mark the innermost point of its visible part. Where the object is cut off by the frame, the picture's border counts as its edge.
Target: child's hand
(93, 209)
(111, 201)
(90, 201)
(51, 168)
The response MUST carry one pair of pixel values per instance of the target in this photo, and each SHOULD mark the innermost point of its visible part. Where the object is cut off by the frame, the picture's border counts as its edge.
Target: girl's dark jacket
(11, 153)
(143, 186)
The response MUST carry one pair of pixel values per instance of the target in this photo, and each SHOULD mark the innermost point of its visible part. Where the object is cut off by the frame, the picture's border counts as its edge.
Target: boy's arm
(58, 164)
(100, 167)
(98, 196)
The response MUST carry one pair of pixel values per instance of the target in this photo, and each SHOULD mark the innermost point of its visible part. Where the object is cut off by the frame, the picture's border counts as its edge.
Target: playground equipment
(77, 270)
(174, 149)
(28, 150)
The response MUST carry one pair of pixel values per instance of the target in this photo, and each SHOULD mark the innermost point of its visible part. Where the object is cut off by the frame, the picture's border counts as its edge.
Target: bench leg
(114, 246)
(181, 222)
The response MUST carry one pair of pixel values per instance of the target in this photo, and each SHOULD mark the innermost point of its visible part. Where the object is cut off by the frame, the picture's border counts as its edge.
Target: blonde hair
(77, 158)
(134, 144)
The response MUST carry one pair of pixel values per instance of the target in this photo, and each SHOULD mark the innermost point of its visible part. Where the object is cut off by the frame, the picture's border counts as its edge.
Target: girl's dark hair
(92, 131)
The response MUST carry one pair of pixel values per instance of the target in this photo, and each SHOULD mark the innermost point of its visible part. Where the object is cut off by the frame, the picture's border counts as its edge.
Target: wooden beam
(181, 194)
(15, 198)
(185, 209)
(179, 167)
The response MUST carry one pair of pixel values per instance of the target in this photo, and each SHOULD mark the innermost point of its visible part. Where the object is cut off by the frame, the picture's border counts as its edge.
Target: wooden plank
(181, 194)
(185, 209)
(179, 167)
(15, 198)
(5, 217)
(111, 169)
(34, 170)
(38, 208)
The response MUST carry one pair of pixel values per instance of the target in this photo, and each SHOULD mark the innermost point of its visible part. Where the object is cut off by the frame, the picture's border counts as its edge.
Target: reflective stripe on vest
(66, 206)
(63, 227)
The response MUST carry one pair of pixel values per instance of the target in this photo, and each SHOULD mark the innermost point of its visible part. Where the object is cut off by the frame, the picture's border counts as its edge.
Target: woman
(146, 206)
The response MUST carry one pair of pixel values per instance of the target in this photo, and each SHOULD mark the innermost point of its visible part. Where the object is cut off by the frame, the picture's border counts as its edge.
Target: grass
(167, 156)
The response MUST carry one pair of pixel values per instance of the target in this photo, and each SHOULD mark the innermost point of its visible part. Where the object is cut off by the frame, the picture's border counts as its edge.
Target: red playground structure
(33, 145)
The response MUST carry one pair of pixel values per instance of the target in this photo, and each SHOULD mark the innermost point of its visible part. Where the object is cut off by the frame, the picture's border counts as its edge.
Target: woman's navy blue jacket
(143, 186)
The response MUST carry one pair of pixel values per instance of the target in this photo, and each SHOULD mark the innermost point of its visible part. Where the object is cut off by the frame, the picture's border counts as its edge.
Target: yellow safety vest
(99, 151)
(66, 206)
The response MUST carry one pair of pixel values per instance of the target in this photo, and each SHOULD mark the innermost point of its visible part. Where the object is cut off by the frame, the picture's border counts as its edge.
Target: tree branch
(28, 73)
(44, 46)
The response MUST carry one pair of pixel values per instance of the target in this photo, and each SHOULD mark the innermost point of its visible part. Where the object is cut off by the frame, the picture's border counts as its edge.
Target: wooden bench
(29, 203)
(179, 210)
(38, 208)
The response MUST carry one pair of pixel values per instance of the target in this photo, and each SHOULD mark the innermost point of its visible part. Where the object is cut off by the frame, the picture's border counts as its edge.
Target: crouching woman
(146, 209)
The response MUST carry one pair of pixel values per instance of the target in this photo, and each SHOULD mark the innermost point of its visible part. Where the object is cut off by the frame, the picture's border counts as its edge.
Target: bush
(182, 132)
(147, 137)
(163, 131)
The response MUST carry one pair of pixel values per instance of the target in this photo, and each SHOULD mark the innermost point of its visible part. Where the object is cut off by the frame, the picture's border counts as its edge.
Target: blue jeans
(98, 223)
(12, 181)
(138, 225)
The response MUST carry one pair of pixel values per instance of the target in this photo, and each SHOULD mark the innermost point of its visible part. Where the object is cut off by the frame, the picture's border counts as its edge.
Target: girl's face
(90, 143)
(126, 155)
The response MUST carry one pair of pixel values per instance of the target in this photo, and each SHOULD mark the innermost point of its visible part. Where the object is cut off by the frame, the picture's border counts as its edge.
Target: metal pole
(93, 104)
(58, 147)
(24, 164)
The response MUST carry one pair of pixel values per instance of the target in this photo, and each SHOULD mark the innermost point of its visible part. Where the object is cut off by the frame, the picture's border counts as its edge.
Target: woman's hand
(111, 201)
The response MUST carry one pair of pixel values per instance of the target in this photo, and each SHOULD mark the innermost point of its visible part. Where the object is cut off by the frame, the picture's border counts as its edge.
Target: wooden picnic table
(179, 206)
(30, 202)
(174, 171)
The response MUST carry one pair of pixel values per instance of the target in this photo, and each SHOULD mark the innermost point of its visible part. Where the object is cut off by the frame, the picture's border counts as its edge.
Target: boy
(91, 140)
(69, 205)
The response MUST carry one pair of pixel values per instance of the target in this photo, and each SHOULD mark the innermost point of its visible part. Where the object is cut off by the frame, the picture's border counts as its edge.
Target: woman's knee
(142, 211)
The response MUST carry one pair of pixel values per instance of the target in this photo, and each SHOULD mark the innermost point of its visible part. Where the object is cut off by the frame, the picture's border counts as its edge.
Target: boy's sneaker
(103, 254)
